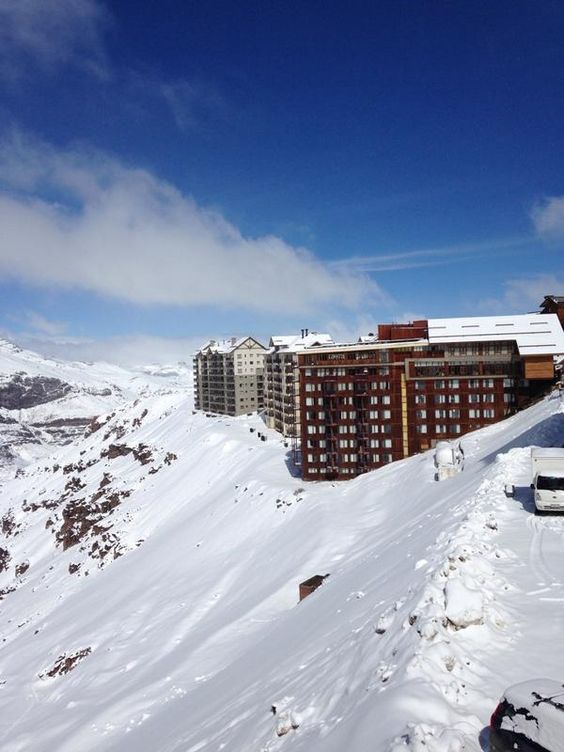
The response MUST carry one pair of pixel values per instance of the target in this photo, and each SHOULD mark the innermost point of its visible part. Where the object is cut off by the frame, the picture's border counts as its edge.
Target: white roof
(225, 346)
(368, 338)
(535, 334)
(291, 342)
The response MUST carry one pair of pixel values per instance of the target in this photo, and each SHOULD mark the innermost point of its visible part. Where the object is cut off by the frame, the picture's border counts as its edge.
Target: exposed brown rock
(22, 568)
(9, 526)
(4, 559)
(116, 450)
(66, 663)
(143, 454)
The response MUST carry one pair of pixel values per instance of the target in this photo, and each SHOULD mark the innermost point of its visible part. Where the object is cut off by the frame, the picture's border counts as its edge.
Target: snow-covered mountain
(45, 402)
(149, 578)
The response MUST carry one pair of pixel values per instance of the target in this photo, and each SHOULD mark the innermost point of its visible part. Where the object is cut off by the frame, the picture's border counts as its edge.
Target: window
(440, 428)
(386, 414)
(488, 397)
(440, 413)
(420, 399)
(385, 428)
(310, 458)
(322, 444)
(373, 414)
(454, 413)
(374, 443)
(455, 428)
(440, 399)
(440, 384)
(509, 398)
(373, 400)
(421, 428)
(454, 399)
(312, 429)
(387, 443)
(376, 458)
(488, 413)
(421, 414)
(472, 398)
(420, 385)
(473, 413)
(488, 383)
(386, 399)
(454, 384)
(508, 382)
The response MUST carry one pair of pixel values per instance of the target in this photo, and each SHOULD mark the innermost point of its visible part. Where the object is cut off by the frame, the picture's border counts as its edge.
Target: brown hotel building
(364, 405)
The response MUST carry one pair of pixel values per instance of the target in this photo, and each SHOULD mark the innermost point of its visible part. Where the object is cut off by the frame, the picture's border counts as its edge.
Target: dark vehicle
(529, 718)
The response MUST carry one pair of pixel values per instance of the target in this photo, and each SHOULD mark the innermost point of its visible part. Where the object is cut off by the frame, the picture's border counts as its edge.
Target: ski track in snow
(431, 608)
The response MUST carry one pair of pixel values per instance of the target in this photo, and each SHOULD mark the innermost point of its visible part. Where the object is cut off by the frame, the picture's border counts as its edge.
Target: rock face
(23, 391)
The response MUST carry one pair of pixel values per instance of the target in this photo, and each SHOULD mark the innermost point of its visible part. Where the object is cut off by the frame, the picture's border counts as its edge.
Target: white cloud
(39, 323)
(548, 218)
(524, 294)
(124, 233)
(51, 33)
(128, 351)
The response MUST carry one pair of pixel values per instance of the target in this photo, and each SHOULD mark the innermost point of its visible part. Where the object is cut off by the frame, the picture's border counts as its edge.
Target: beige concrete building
(282, 379)
(229, 376)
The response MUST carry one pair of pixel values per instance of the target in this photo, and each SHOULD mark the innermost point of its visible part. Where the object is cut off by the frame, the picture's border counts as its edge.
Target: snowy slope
(45, 401)
(187, 537)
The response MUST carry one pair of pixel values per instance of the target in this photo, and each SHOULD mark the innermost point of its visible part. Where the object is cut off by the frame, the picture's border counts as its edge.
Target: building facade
(229, 376)
(553, 304)
(281, 383)
(364, 405)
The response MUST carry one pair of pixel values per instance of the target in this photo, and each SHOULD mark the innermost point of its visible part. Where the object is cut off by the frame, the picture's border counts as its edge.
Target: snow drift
(150, 574)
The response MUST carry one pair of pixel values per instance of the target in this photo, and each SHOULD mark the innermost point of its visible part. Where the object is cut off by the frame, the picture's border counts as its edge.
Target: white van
(548, 478)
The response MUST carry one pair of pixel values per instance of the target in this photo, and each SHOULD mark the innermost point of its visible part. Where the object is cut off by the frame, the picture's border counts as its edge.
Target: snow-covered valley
(149, 573)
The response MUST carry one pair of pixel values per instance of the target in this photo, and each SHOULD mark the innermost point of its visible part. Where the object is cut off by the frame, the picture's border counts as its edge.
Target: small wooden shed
(308, 586)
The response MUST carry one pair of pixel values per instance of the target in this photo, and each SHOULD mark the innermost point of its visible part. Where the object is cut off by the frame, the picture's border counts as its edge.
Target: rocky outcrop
(65, 663)
(23, 391)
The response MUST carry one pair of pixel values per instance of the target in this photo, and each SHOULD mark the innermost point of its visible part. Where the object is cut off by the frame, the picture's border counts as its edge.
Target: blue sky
(196, 169)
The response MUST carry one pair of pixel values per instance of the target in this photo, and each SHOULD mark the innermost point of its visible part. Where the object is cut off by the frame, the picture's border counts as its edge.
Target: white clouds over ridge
(78, 219)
